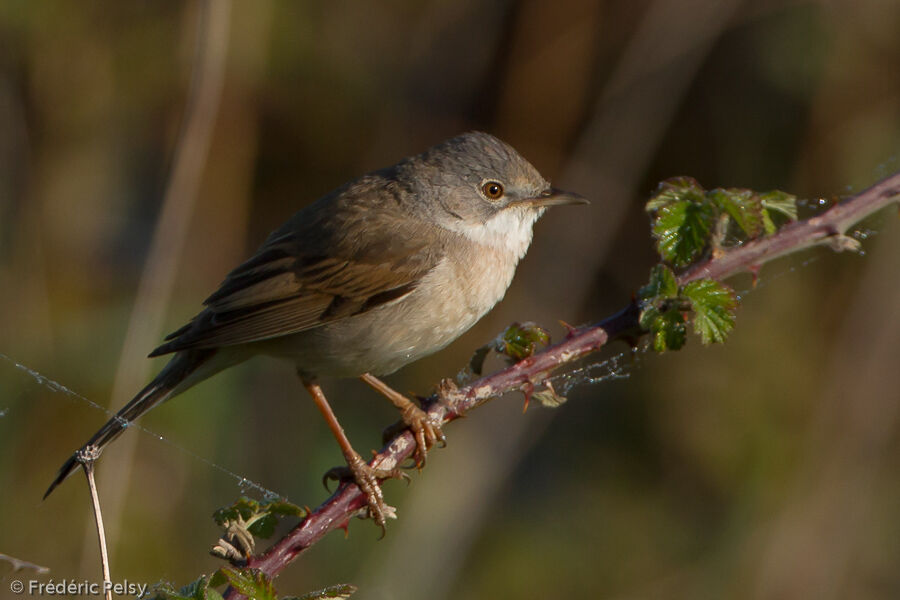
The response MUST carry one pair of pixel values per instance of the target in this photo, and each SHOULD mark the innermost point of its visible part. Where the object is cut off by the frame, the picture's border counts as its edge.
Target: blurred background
(148, 147)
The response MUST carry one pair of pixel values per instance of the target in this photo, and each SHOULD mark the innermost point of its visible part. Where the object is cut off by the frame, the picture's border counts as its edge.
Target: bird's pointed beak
(554, 197)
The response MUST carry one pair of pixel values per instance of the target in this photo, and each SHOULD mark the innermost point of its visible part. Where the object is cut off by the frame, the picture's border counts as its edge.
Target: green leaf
(667, 328)
(743, 206)
(674, 190)
(682, 231)
(243, 508)
(286, 509)
(260, 519)
(251, 583)
(341, 591)
(264, 526)
(669, 331)
(521, 340)
(768, 223)
(713, 304)
(165, 591)
(218, 579)
(781, 202)
(777, 204)
(662, 284)
(648, 317)
(196, 590)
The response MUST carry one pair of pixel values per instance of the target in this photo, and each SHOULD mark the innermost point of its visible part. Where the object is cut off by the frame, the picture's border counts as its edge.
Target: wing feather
(291, 285)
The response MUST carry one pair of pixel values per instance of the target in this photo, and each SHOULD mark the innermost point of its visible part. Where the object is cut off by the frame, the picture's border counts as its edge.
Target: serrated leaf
(673, 190)
(662, 284)
(341, 591)
(743, 207)
(251, 583)
(682, 231)
(713, 304)
(775, 203)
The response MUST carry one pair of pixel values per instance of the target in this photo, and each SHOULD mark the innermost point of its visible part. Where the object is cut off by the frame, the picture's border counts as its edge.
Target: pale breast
(472, 277)
(448, 301)
(464, 290)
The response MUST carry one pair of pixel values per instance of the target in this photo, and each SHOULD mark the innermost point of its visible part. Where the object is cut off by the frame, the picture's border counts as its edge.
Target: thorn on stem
(346, 527)
(754, 273)
(570, 329)
(528, 390)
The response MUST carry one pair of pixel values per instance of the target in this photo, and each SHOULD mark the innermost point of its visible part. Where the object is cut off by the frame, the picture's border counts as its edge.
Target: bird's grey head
(479, 186)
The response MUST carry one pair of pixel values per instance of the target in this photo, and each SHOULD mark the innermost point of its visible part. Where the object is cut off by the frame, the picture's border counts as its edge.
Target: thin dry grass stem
(86, 456)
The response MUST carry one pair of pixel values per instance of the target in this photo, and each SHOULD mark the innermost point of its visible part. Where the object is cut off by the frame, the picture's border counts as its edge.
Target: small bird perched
(382, 271)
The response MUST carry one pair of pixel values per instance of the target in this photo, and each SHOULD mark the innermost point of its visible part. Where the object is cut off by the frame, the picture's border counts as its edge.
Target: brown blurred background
(765, 468)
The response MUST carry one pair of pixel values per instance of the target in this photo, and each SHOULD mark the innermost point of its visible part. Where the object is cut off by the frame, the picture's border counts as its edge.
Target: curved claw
(367, 479)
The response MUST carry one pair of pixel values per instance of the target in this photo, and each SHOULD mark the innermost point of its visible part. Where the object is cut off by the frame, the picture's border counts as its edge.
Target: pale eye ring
(493, 190)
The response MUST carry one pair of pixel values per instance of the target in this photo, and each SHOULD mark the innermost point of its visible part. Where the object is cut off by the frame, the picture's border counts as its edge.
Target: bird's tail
(171, 380)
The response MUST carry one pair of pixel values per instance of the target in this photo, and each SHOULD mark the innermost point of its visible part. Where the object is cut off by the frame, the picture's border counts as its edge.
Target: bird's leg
(425, 431)
(365, 476)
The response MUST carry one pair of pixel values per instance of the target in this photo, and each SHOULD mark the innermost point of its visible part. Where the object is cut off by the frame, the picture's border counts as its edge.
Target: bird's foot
(367, 479)
(425, 429)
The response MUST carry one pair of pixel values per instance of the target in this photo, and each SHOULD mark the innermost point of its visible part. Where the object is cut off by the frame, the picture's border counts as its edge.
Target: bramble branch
(451, 401)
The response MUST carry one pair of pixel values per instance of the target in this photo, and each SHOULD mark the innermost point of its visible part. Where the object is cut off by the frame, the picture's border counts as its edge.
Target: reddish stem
(452, 402)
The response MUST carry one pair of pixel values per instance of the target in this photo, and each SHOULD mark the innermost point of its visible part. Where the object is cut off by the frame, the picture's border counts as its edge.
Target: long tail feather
(157, 391)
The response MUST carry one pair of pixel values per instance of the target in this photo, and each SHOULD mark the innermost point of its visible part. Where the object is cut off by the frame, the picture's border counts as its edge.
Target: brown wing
(292, 284)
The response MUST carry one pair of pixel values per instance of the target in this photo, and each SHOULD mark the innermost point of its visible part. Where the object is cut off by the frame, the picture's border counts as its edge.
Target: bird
(385, 269)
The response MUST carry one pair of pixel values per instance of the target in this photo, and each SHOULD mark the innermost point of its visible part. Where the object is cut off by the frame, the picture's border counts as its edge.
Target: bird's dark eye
(493, 190)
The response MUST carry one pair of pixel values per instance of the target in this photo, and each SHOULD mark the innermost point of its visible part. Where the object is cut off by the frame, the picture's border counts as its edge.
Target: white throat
(508, 230)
